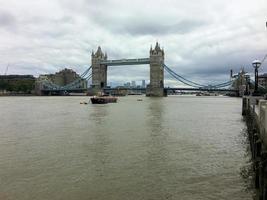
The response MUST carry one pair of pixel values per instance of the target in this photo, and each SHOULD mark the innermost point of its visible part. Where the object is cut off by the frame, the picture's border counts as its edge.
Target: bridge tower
(99, 71)
(156, 86)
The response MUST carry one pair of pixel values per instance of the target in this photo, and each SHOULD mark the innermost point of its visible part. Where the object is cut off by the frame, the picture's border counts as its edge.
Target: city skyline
(204, 43)
(138, 83)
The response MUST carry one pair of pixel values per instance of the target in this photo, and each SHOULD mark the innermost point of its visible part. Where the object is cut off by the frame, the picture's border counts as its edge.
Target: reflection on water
(157, 159)
(158, 148)
(100, 143)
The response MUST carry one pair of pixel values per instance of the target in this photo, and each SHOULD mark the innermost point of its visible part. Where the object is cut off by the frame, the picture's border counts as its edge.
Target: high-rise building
(133, 84)
(143, 83)
(128, 84)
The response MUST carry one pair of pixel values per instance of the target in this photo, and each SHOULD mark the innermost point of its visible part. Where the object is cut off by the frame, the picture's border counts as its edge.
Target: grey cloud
(136, 21)
(137, 26)
(196, 46)
(7, 20)
(150, 28)
(216, 68)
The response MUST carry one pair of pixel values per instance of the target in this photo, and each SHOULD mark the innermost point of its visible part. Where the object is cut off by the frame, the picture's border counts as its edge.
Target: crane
(264, 59)
(6, 68)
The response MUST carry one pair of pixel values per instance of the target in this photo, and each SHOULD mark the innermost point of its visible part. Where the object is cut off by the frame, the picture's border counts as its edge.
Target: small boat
(139, 99)
(103, 99)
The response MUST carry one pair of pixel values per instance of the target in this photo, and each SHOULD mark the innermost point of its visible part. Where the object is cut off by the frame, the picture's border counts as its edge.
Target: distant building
(263, 80)
(143, 83)
(16, 77)
(127, 85)
(17, 83)
(133, 84)
(61, 78)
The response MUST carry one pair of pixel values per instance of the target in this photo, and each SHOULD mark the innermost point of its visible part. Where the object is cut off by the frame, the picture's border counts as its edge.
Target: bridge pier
(156, 86)
(99, 71)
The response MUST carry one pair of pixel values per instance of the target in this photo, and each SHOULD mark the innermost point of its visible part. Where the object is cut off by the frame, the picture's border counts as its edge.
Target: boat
(103, 99)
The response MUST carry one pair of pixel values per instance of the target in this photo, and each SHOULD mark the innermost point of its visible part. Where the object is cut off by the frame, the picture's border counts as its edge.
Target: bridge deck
(143, 89)
(181, 89)
(204, 89)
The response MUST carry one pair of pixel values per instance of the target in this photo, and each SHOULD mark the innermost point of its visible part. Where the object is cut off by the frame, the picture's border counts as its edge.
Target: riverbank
(17, 94)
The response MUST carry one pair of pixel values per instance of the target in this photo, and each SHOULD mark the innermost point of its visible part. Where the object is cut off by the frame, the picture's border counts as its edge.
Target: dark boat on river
(103, 99)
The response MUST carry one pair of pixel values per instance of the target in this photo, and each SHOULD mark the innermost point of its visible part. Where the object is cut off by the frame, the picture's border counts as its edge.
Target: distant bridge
(176, 89)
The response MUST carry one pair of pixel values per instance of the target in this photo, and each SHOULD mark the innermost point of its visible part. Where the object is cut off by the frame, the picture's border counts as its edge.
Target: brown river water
(177, 147)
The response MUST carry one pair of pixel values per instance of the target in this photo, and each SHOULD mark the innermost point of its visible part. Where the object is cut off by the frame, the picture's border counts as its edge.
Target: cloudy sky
(202, 39)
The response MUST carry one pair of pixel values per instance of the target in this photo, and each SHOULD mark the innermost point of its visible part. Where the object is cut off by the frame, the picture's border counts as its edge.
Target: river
(178, 147)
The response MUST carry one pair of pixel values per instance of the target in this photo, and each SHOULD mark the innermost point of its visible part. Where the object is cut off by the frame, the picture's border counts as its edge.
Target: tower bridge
(98, 73)
(155, 61)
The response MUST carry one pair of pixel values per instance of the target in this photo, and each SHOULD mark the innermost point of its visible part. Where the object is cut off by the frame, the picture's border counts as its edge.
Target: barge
(103, 99)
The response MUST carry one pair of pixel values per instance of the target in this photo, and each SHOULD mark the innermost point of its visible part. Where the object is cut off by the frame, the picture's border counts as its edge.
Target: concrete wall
(255, 111)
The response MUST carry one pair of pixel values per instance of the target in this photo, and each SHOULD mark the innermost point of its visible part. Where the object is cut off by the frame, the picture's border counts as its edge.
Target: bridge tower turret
(156, 86)
(99, 71)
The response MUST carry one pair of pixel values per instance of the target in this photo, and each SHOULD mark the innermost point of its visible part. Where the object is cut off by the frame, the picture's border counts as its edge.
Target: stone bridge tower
(156, 86)
(99, 71)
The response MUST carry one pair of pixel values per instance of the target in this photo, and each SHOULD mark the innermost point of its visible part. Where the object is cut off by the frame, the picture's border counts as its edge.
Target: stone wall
(156, 86)
(255, 111)
(63, 77)
(99, 71)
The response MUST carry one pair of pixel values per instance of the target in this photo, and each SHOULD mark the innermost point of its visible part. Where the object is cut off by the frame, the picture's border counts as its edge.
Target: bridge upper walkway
(137, 61)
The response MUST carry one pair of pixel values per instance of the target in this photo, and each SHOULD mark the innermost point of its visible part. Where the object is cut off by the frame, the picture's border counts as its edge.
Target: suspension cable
(194, 84)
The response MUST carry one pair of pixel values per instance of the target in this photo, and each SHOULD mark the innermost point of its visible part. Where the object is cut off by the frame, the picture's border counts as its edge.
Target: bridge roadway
(143, 89)
(181, 89)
